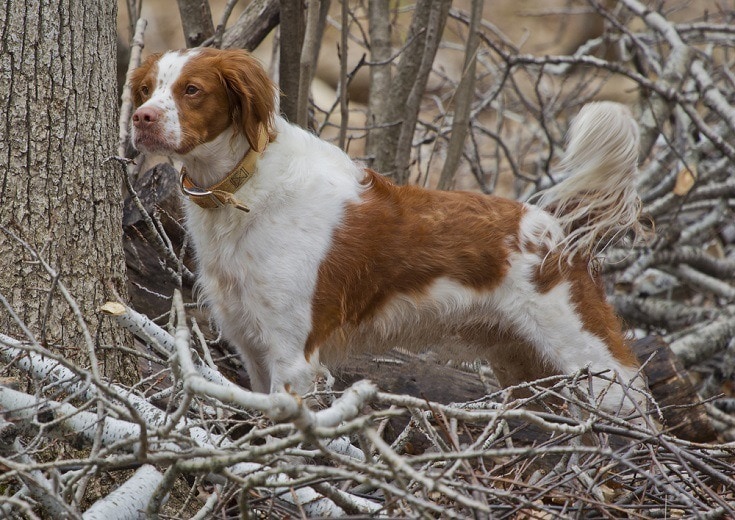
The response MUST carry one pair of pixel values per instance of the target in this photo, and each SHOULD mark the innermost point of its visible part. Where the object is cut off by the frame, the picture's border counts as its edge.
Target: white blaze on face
(163, 99)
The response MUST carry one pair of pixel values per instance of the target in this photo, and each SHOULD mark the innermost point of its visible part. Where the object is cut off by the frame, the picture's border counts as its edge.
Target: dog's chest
(258, 274)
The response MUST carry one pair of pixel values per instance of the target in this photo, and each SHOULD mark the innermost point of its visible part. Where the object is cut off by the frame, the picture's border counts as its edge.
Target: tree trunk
(58, 111)
(380, 73)
(463, 101)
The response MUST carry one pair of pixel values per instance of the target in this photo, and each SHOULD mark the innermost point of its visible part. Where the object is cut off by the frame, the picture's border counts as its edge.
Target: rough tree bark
(291, 41)
(58, 111)
(256, 21)
(380, 73)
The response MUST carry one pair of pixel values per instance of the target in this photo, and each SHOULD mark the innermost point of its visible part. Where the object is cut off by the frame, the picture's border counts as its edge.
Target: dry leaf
(684, 181)
(715, 249)
(608, 493)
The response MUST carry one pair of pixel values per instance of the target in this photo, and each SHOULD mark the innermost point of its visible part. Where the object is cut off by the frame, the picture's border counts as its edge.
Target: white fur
(259, 270)
(206, 162)
(596, 202)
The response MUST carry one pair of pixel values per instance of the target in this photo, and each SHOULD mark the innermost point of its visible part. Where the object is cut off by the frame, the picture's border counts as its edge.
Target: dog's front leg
(293, 373)
(255, 364)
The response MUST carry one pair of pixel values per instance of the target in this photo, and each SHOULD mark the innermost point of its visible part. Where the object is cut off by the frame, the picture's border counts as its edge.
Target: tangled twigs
(315, 461)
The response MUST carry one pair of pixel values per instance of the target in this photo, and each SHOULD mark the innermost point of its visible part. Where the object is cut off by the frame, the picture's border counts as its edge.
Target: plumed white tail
(597, 202)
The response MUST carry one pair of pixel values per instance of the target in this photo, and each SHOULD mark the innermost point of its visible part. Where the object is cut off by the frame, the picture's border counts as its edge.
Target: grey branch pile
(680, 283)
(193, 445)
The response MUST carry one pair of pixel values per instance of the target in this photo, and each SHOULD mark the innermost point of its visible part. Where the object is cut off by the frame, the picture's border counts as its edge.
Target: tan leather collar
(221, 194)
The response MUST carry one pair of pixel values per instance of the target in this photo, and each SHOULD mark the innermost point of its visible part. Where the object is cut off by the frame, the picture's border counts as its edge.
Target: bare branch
(289, 65)
(677, 64)
(343, 79)
(126, 104)
(437, 18)
(196, 18)
(463, 100)
(708, 339)
(258, 19)
(309, 53)
(384, 146)
(219, 31)
(127, 500)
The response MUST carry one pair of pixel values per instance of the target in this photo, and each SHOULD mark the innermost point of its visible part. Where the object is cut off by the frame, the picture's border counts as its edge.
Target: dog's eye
(191, 90)
(144, 90)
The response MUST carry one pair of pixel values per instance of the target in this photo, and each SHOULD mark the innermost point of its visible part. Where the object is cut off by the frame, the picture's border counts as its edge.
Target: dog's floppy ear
(139, 75)
(252, 93)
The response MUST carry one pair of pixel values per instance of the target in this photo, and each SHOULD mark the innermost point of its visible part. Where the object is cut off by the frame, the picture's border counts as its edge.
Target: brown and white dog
(305, 256)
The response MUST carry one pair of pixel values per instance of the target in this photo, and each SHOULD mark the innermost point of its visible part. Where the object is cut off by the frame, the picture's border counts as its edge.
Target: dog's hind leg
(516, 361)
(557, 328)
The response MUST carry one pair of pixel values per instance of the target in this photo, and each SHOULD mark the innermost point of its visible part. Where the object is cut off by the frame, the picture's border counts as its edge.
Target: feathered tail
(597, 202)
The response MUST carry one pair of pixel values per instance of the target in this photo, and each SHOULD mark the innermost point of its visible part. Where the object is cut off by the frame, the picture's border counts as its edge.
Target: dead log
(684, 413)
(150, 284)
(420, 376)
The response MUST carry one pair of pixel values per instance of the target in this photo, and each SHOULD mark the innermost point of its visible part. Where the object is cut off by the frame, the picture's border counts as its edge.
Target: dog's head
(184, 99)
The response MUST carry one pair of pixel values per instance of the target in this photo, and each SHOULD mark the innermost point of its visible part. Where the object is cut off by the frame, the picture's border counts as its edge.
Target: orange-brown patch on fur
(398, 240)
(588, 296)
(234, 89)
(144, 75)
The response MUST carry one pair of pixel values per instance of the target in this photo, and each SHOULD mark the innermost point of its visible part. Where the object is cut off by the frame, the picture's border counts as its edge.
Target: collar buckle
(208, 198)
(194, 192)
(222, 193)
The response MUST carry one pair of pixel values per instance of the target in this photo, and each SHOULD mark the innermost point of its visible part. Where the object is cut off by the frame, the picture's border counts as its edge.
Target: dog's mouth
(151, 143)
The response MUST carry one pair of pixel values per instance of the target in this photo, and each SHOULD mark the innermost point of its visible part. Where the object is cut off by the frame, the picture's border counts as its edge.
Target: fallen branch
(128, 500)
(702, 343)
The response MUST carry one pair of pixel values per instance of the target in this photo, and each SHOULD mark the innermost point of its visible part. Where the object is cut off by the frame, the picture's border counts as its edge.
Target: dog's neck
(210, 162)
